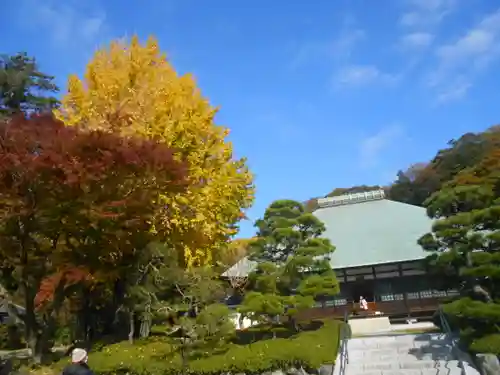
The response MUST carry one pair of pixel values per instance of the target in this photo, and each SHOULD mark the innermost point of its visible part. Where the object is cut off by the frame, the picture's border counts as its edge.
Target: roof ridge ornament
(346, 199)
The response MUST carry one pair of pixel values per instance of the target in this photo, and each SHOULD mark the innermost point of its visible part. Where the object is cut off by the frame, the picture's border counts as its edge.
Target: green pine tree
(23, 88)
(293, 268)
(466, 240)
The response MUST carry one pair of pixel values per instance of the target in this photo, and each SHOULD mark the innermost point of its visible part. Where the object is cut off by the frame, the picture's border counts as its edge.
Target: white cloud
(433, 5)
(410, 19)
(417, 40)
(358, 75)
(306, 52)
(361, 75)
(478, 46)
(344, 45)
(460, 61)
(458, 90)
(349, 37)
(92, 26)
(66, 23)
(372, 147)
(337, 48)
(426, 13)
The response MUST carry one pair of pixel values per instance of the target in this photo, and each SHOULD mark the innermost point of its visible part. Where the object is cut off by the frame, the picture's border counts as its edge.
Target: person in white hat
(78, 366)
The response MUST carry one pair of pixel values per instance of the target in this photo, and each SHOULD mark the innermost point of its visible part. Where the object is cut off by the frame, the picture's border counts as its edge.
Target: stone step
(373, 346)
(414, 352)
(401, 357)
(370, 325)
(401, 348)
(368, 345)
(436, 371)
(383, 339)
(401, 338)
(432, 343)
(403, 366)
(396, 367)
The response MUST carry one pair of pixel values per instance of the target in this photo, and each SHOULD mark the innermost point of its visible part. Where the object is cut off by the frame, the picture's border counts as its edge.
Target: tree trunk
(184, 355)
(293, 323)
(484, 295)
(35, 348)
(42, 344)
(132, 327)
(41, 332)
(241, 319)
(85, 319)
(30, 323)
(38, 345)
(477, 289)
(145, 328)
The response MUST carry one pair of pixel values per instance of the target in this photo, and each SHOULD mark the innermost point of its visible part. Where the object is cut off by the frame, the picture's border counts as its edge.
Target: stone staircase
(411, 354)
(371, 324)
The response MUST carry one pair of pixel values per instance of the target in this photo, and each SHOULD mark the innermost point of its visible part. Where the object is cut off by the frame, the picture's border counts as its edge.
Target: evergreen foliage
(23, 87)
(293, 264)
(309, 349)
(465, 240)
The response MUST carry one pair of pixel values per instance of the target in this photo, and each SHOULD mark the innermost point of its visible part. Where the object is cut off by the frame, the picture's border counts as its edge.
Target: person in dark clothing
(78, 364)
(6, 367)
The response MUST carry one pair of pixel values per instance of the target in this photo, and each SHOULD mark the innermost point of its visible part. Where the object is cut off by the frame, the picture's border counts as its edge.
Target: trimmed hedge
(155, 356)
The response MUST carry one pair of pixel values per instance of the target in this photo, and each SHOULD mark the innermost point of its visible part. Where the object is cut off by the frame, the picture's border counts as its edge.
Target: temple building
(377, 255)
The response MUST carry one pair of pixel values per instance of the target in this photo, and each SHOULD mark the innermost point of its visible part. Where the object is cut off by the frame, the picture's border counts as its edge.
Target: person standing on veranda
(362, 303)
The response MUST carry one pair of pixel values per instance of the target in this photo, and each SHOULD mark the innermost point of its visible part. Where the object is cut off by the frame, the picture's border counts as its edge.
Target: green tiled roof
(366, 233)
(374, 232)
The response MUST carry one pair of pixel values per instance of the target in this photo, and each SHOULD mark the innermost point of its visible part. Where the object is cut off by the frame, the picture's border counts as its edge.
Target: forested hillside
(420, 180)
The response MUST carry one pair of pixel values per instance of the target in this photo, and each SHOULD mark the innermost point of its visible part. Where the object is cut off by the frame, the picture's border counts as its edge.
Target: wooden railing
(372, 306)
(386, 307)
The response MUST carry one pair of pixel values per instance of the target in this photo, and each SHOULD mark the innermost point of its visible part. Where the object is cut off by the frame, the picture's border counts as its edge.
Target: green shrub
(308, 349)
(155, 356)
(487, 344)
(63, 336)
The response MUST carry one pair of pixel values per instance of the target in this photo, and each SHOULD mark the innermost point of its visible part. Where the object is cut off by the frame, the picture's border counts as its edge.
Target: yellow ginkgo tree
(133, 86)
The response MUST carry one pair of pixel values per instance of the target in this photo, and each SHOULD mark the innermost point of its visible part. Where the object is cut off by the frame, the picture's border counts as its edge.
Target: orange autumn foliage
(63, 279)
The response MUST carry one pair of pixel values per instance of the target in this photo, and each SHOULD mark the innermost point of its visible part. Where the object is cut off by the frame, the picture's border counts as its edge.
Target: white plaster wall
(241, 323)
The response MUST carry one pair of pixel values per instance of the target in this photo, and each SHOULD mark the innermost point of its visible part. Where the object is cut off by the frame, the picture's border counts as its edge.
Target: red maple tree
(76, 204)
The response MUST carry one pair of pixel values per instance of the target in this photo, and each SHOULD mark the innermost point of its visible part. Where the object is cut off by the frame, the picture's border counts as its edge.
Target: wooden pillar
(344, 276)
(405, 297)
(374, 284)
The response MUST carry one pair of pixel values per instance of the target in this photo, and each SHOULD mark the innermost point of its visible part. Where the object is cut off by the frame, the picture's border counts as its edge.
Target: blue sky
(318, 94)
